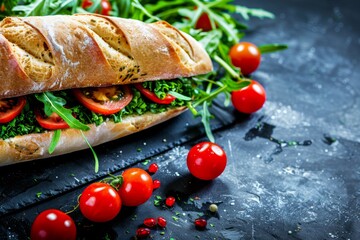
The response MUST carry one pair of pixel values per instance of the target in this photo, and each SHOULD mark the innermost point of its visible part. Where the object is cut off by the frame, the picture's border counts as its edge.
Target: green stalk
(227, 67)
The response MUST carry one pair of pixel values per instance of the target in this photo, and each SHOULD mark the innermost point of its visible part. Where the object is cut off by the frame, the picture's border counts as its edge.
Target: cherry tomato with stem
(136, 188)
(206, 160)
(53, 224)
(10, 108)
(245, 56)
(152, 96)
(100, 202)
(250, 98)
(104, 100)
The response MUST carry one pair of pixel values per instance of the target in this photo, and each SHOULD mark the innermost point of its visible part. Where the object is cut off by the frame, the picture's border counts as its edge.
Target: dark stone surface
(293, 167)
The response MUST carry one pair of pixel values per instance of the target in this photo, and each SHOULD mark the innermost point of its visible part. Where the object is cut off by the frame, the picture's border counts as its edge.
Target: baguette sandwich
(71, 81)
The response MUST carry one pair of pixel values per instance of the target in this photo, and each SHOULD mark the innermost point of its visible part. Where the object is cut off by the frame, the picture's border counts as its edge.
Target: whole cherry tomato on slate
(250, 98)
(100, 202)
(206, 160)
(53, 224)
(245, 56)
(137, 187)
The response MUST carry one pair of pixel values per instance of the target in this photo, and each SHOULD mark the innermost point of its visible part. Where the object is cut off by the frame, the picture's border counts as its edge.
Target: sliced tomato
(152, 96)
(10, 108)
(53, 122)
(104, 100)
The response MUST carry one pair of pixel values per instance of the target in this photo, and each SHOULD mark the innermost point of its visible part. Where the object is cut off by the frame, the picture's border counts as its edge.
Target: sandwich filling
(37, 113)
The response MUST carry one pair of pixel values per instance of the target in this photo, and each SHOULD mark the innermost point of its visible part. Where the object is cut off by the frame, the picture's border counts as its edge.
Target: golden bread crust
(52, 53)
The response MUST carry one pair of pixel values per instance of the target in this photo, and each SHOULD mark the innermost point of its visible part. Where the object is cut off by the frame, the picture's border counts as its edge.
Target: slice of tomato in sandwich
(10, 108)
(104, 100)
(53, 122)
(152, 96)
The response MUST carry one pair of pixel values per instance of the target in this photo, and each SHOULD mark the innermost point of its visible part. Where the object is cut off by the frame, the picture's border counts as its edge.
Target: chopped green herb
(38, 194)
(157, 202)
(146, 162)
(175, 218)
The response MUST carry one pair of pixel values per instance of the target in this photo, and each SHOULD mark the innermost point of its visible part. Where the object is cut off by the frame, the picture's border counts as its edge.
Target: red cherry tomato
(250, 98)
(10, 108)
(170, 201)
(161, 222)
(105, 6)
(137, 187)
(152, 96)
(104, 100)
(245, 56)
(53, 224)
(153, 168)
(53, 122)
(100, 202)
(203, 23)
(206, 160)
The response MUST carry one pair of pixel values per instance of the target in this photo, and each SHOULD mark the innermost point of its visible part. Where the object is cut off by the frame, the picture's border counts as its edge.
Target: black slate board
(293, 170)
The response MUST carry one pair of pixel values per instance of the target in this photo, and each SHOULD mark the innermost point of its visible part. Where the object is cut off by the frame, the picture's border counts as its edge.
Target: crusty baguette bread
(35, 146)
(61, 52)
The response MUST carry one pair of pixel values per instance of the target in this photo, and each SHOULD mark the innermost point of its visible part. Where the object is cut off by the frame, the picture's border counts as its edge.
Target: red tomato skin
(100, 202)
(137, 187)
(152, 96)
(107, 108)
(53, 224)
(8, 116)
(250, 98)
(206, 160)
(203, 23)
(105, 6)
(245, 56)
(52, 122)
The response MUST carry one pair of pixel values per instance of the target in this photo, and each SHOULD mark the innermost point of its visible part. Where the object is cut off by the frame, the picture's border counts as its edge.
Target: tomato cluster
(98, 202)
(247, 57)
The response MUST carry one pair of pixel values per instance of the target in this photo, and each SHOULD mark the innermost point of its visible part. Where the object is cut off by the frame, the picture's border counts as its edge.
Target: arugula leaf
(268, 48)
(96, 159)
(54, 141)
(205, 119)
(180, 96)
(55, 104)
(255, 12)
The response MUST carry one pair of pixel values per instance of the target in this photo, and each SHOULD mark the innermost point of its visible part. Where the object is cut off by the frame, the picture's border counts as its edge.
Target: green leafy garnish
(56, 104)
(54, 141)
(269, 48)
(96, 159)
(180, 96)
